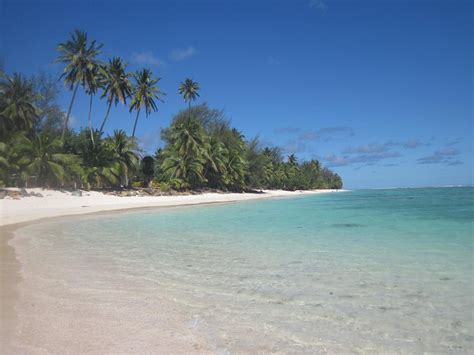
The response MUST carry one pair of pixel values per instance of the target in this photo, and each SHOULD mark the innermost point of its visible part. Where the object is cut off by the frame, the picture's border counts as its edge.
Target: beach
(54, 204)
(284, 177)
(360, 271)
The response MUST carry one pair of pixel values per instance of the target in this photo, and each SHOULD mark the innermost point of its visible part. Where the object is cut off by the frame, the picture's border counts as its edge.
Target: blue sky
(379, 91)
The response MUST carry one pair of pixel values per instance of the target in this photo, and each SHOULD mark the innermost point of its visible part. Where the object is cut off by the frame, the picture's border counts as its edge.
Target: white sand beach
(55, 203)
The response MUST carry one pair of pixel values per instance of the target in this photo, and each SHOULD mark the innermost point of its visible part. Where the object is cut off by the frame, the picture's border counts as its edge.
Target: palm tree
(187, 153)
(117, 86)
(237, 164)
(8, 161)
(144, 94)
(17, 109)
(216, 163)
(189, 90)
(42, 159)
(101, 167)
(78, 56)
(126, 154)
(292, 160)
(92, 83)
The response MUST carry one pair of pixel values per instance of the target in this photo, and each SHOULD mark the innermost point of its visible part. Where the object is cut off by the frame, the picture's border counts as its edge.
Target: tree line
(202, 150)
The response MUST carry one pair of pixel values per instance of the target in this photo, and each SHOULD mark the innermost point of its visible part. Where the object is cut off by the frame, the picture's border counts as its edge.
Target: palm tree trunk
(105, 118)
(189, 111)
(69, 111)
(135, 125)
(90, 120)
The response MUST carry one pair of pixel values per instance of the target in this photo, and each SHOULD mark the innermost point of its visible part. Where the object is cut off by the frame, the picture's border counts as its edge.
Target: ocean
(349, 272)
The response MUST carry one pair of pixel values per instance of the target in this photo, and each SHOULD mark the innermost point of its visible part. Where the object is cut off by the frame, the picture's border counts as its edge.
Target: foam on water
(360, 271)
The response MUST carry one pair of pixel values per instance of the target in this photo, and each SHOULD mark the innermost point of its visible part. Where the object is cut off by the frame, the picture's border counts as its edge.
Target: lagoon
(359, 271)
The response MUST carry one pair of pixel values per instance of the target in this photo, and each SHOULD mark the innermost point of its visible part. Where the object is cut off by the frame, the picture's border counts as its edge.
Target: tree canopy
(201, 148)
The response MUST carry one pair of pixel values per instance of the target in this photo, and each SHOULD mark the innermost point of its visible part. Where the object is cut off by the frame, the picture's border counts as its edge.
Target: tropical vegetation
(201, 148)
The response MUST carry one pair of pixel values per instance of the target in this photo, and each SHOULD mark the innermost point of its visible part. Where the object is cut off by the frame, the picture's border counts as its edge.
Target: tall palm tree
(78, 55)
(17, 109)
(144, 94)
(116, 85)
(92, 83)
(189, 90)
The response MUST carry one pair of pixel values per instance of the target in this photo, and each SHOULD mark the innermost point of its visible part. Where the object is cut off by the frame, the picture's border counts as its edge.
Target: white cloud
(317, 4)
(146, 58)
(182, 54)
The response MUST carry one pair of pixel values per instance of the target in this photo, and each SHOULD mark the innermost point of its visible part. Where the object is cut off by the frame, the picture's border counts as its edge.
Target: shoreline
(59, 204)
(12, 220)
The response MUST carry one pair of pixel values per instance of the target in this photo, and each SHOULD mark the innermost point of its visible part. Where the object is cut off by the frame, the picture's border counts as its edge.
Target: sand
(18, 213)
(57, 203)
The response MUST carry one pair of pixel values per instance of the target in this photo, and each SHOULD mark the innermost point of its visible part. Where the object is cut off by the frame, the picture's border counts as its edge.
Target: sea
(363, 271)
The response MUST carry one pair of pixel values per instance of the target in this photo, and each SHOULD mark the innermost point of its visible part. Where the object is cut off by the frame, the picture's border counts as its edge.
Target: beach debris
(77, 193)
(144, 192)
(36, 194)
(18, 194)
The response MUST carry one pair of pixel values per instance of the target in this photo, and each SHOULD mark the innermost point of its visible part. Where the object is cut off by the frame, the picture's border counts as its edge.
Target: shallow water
(359, 271)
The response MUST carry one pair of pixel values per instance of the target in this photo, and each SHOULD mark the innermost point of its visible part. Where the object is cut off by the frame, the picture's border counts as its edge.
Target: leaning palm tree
(77, 55)
(116, 84)
(17, 109)
(189, 90)
(144, 94)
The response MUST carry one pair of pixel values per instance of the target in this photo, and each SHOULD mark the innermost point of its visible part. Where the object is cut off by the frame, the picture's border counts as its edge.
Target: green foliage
(144, 94)
(116, 85)
(137, 184)
(108, 162)
(201, 148)
(42, 160)
(186, 155)
(81, 67)
(165, 187)
(9, 167)
(17, 109)
(189, 89)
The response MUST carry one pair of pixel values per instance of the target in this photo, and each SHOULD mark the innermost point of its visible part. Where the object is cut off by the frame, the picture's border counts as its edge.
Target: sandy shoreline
(15, 214)
(58, 204)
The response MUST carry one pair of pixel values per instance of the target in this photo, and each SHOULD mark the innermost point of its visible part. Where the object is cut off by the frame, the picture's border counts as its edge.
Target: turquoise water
(358, 271)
